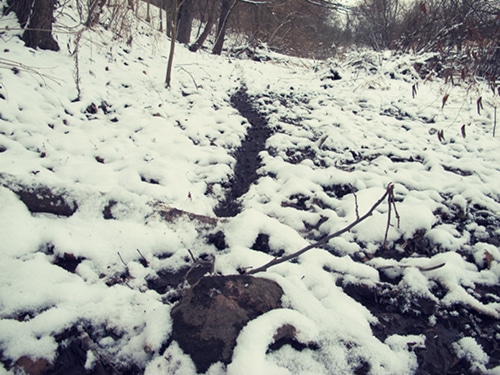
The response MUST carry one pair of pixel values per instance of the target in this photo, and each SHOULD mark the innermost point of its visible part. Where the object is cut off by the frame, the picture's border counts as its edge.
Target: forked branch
(389, 193)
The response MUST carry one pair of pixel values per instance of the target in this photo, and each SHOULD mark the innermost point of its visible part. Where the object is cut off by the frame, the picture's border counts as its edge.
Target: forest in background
(465, 33)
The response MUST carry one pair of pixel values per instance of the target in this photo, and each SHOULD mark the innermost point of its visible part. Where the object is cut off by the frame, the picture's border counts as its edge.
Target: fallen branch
(208, 264)
(389, 192)
(420, 268)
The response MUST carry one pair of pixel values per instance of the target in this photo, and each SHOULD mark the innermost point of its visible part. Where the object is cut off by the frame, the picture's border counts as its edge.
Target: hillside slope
(108, 193)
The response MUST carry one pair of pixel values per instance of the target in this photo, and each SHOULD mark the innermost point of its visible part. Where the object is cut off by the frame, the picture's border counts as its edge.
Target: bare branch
(391, 203)
(125, 264)
(144, 261)
(256, 2)
(389, 191)
(331, 5)
(355, 201)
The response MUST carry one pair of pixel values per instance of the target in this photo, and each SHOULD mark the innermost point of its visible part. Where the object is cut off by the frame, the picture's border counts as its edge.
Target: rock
(39, 366)
(210, 316)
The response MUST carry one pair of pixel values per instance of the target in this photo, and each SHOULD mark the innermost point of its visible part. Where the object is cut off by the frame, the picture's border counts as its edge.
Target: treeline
(466, 32)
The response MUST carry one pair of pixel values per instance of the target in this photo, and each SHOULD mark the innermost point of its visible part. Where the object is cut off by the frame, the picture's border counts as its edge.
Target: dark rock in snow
(211, 314)
(39, 198)
(68, 261)
(332, 75)
(262, 244)
(217, 239)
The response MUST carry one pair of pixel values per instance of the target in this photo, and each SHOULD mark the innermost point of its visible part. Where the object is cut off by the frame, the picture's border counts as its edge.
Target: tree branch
(388, 192)
(331, 5)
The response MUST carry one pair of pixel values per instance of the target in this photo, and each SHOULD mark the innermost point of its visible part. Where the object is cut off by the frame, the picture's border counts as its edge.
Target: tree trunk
(22, 9)
(185, 22)
(95, 10)
(169, 10)
(172, 23)
(160, 9)
(208, 28)
(227, 6)
(38, 16)
(148, 12)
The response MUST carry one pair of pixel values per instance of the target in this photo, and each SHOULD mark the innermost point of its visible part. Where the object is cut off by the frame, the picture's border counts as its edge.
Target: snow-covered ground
(130, 149)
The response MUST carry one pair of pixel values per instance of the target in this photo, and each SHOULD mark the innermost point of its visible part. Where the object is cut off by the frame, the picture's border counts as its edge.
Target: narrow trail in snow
(247, 156)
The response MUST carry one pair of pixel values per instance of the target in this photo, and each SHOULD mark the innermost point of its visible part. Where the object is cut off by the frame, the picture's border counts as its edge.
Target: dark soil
(247, 156)
(402, 314)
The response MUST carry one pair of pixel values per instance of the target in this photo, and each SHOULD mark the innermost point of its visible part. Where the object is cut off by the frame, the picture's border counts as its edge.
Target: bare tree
(212, 10)
(296, 27)
(173, 23)
(185, 21)
(226, 7)
(378, 22)
(463, 30)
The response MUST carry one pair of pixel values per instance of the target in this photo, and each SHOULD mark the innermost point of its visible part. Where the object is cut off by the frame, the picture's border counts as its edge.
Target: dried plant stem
(389, 192)
(77, 65)
(495, 122)
(355, 201)
(391, 203)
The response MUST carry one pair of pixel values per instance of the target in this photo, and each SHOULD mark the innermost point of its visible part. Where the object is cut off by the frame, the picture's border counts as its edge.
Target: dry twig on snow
(389, 193)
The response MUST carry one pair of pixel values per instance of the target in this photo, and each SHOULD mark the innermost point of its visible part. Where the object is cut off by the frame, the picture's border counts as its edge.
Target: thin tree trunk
(160, 8)
(22, 9)
(173, 26)
(148, 13)
(169, 11)
(185, 22)
(206, 31)
(227, 7)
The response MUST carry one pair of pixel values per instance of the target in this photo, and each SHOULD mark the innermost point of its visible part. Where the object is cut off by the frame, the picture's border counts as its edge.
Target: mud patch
(247, 156)
(77, 347)
(402, 314)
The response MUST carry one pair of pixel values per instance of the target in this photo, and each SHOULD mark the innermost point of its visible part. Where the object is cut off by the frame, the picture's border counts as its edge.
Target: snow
(146, 148)
(468, 348)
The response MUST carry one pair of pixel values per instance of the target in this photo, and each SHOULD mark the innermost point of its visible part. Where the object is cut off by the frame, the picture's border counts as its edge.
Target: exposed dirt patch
(247, 156)
(403, 314)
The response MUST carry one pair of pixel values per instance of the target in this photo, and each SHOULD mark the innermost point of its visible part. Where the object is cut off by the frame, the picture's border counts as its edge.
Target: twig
(12, 64)
(195, 84)
(355, 201)
(391, 203)
(120, 256)
(200, 262)
(192, 256)
(76, 56)
(495, 121)
(388, 192)
(90, 344)
(144, 262)
(422, 269)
